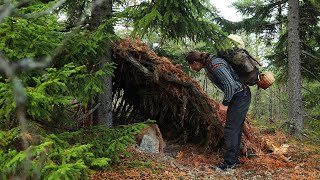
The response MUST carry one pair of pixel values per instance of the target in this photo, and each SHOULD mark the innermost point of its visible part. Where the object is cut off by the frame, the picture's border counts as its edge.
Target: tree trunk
(278, 110)
(294, 68)
(257, 97)
(102, 9)
(257, 104)
(271, 107)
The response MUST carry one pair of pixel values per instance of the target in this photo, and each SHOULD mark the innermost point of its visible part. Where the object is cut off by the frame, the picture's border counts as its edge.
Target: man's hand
(223, 108)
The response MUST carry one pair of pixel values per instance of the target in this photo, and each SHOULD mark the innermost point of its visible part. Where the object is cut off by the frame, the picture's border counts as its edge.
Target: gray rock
(149, 144)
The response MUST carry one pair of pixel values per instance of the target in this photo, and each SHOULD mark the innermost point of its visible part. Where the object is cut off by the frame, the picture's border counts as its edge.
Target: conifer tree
(270, 20)
(177, 20)
(173, 19)
(102, 10)
(294, 66)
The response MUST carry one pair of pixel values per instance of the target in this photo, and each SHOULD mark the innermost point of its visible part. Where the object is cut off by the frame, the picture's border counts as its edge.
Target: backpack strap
(213, 66)
(251, 56)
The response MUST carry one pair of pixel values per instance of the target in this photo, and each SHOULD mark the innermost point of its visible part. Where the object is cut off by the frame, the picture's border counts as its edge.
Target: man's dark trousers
(236, 115)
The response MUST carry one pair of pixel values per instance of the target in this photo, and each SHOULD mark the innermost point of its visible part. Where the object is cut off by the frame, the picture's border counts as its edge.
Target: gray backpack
(243, 64)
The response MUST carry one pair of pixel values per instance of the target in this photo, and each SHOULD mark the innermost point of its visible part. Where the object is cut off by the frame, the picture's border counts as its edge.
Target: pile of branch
(147, 86)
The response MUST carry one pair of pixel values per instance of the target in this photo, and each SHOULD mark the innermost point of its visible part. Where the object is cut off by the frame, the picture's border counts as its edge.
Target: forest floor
(290, 159)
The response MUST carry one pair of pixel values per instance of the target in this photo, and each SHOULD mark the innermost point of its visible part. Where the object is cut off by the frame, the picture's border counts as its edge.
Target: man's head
(196, 60)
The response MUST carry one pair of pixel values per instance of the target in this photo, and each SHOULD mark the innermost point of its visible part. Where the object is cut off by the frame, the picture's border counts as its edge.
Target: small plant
(67, 155)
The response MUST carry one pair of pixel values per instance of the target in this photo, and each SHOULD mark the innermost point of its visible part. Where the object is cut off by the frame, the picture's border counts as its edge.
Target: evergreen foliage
(67, 155)
(311, 99)
(75, 11)
(49, 93)
(26, 38)
(31, 36)
(74, 74)
(269, 20)
(177, 20)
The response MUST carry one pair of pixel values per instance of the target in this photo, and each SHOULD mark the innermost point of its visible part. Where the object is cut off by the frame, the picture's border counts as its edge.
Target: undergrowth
(69, 155)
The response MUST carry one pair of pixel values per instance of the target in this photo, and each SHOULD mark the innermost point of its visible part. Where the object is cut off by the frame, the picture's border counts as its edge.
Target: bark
(279, 104)
(271, 113)
(102, 9)
(294, 68)
(257, 104)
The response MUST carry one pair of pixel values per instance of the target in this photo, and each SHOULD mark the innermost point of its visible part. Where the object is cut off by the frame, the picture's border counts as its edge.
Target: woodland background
(56, 67)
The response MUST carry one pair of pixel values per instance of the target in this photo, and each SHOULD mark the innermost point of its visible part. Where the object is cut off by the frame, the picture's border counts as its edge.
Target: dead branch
(139, 66)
